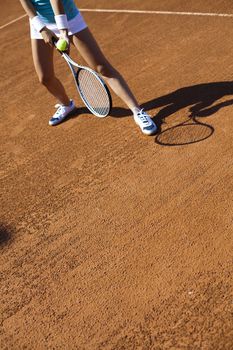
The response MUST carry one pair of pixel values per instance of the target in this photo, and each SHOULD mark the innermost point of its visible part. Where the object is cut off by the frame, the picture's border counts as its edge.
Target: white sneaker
(61, 113)
(144, 121)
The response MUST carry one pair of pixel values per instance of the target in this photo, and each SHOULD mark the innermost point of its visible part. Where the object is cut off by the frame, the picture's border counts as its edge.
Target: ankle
(136, 110)
(65, 102)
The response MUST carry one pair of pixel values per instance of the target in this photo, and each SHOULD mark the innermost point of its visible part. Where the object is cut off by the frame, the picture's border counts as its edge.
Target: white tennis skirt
(75, 25)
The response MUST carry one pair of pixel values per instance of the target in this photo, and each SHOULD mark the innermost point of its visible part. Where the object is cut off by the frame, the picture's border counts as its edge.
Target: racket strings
(94, 92)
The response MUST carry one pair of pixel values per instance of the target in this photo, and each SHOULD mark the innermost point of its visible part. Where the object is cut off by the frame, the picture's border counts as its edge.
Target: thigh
(43, 58)
(89, 49)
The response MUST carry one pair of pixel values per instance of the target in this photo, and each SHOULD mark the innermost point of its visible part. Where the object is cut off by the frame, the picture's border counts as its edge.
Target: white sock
(136, 110)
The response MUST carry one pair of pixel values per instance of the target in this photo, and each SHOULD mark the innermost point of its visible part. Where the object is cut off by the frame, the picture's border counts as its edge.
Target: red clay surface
(110, 239)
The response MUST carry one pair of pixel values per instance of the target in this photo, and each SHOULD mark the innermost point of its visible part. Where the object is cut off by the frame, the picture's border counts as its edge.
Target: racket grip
(55, 40)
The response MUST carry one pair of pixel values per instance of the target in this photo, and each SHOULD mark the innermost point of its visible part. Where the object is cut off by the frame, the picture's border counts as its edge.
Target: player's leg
(43, 61)
(92, 54)
(90, 51)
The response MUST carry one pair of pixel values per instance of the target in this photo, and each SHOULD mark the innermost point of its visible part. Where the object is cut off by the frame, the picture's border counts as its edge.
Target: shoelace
(143, 116)
(61, 109)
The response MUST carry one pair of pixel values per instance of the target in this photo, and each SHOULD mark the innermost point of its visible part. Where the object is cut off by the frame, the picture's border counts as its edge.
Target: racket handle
(55, 40)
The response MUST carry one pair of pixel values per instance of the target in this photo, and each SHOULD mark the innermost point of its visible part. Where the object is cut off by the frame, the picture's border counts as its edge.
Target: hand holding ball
(62, 45)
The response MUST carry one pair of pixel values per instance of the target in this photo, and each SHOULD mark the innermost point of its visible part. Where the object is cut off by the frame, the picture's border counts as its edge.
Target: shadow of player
(200, 98)
(203, 100)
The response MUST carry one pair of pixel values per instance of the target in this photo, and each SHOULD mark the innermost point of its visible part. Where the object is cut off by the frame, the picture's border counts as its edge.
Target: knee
(45, 80)
(105, 70)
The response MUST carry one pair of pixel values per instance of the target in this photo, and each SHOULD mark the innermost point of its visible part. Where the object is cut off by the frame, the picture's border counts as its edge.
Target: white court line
(206, 14)
(173, 13)
(11, 22)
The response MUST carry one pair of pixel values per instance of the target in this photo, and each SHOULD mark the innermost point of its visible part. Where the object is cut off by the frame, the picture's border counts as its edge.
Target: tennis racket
(91, 87)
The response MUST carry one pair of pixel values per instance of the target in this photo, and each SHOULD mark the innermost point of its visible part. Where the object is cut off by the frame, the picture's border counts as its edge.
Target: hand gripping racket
(91, 87)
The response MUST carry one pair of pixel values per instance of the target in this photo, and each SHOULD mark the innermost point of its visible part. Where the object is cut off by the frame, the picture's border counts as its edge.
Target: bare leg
(43, 61)
(90, 51)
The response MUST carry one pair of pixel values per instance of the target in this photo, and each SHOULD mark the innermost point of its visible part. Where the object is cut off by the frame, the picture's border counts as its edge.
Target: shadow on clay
(6, 234)
(202, 100)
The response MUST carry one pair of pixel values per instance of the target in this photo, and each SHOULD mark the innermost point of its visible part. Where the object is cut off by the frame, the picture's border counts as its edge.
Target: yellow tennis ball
(62, 44)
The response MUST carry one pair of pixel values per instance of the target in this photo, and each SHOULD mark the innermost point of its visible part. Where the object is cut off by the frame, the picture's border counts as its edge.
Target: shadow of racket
(189, 132)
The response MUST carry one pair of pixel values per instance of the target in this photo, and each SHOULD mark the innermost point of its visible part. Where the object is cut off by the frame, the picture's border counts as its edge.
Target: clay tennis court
(111, 239)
